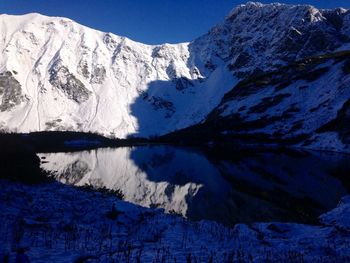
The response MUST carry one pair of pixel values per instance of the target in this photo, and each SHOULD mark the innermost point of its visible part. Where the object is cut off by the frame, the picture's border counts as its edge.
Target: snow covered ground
(59, 223)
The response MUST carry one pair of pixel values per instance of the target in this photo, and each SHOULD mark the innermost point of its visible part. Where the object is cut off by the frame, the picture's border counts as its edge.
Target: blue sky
(147, 21)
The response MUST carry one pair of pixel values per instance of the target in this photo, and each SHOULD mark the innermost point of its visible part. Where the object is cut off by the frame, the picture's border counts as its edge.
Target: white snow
(32, 44)
(145, 90)
(57, 223)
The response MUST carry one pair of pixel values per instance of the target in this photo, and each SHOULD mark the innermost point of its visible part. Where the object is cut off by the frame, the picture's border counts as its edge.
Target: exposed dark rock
(242, 108)
(291, 44)
(10, 90)
(283, 85)
(54, 124)
(305, 69)
(341, 124)
(346, 67)
(281, 125)
(242, 60)
(98, 75)
(158, 52)
(248, 87)
(209, 65)
(303, 87)
(318, 41)
(315, 74)
(334, 17)
(278, 228)
(289, 113)
(195, 72)
(253, 37)
(109, 41)
(323, 104)
(298, 125)
(143, 94)
(292, 109)
(83, 69)
(182, 83)
(268, 103)
(159, 103)
(73, 88)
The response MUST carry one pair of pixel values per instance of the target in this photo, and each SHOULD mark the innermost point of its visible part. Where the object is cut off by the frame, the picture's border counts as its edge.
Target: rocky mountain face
(295, 90)
(256, 38)
(58, 75)
(305, 103)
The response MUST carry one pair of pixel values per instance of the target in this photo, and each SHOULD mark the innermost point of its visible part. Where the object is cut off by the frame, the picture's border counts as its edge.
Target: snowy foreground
(58, 223)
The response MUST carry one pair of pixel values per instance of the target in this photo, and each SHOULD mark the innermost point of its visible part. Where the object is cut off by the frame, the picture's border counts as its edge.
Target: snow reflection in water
(243, 188)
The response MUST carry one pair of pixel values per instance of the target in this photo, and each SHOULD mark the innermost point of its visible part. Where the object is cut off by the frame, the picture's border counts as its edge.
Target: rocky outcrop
(62, 79)
(10, 91)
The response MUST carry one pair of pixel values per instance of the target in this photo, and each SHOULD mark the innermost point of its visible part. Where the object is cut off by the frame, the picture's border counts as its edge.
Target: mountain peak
(33, 16)
(256, 36)
(273, 7)
(250, 7)
(58, 75)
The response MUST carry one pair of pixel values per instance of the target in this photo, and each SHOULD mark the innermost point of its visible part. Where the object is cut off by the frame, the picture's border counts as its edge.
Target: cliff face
(59, 75)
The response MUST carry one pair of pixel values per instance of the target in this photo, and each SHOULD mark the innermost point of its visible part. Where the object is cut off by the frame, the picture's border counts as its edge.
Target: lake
(213, 184)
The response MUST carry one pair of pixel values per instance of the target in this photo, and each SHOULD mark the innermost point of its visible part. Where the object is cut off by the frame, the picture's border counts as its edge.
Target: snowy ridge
(255, 37)
(306, 103)
(59, 75)
(75, 78)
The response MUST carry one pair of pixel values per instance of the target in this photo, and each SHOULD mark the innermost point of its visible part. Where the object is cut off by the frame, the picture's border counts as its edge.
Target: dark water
(221, 185)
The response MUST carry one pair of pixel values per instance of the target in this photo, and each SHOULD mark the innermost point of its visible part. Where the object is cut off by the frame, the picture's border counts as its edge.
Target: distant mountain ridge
(58, 75)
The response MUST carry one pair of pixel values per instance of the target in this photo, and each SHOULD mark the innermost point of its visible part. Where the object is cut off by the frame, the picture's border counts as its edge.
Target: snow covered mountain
(59, 75)
(306, 104)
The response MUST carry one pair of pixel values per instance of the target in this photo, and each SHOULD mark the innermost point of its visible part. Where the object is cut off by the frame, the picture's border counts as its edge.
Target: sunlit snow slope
(58, 75)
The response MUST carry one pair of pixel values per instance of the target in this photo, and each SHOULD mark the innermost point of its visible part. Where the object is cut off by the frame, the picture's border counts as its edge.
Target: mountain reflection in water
(236, 188)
